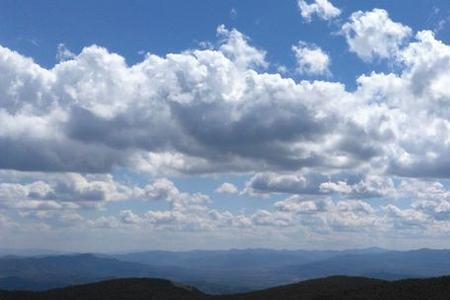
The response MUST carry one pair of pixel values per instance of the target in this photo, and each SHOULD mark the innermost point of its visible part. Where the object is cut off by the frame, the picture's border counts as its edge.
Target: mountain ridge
(221, 272)
(334, 287)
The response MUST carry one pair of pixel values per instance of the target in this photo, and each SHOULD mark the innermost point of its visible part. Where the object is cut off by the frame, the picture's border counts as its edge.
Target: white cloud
(227, 188)
(198, 112)
(235, 46)
(233, 13)
(323, 9)
(370, 186)
(64, 53)
(194, 112)
(296, 183)
(311, 60)
(373, 34)
(64, 192)
(213, 110)
(300, 205)
(345, 184)
(406, 218)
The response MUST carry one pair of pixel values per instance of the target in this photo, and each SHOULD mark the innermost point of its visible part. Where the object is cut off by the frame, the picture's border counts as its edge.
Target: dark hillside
(331, 288)
(116, 289)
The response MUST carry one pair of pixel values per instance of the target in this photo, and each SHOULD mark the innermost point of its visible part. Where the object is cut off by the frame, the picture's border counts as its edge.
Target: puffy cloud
(373, 34)
(292, 183)
(199, 112)
(314, 183)
(105, 222)
(235, 46)
(65, 192)
(370, 186)
(325, 216)
(406, 218)
(64, 53)
(300, 205)
(214, 110)
(400, 105)
(164, 189)
(355, 206)
(93, 112)
(311, 60)
(323, 9)
(227, 188)
(317, 214)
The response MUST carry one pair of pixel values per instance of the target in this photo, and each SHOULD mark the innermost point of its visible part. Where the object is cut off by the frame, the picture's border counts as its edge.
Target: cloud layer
(322, 155)
(213, 110)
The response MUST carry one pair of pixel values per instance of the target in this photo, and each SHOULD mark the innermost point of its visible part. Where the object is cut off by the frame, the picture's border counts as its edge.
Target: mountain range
(331, 288)
(220, 272)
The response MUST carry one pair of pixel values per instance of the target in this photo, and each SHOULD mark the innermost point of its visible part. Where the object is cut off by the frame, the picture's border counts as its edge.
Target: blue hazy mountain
(389, 265)
(227, 271)
(31, 252)
(238, 258)
(39, 273)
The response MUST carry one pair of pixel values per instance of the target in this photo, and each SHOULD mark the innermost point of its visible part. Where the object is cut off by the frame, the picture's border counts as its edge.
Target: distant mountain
(31, 252)
(389, 265)
(238, 258)
(40, 273)
(226, 259)
(331, 288)
(222, 272)
(231, 271)
(237, 270)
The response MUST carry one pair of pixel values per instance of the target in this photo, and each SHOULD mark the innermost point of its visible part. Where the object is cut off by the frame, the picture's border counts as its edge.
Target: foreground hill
(337, 287)
(354, 288)
(115, 289)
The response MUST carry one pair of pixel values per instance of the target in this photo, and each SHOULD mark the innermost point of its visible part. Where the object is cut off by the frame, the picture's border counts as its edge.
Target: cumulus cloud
(65, 191)
(373, 34)
(405, 218)
(413, 149)
(64, 53)
(300, 205)
(370, 186)
(291, 183)
(227, 188)
(219, 110)
(323, 9)
(235, 46)
(93, 112)
(311, 60)
(199, 112)
(314, 183)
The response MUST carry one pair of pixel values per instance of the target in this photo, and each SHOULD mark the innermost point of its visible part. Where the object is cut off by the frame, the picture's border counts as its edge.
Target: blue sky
(161, 27)
(220, 124)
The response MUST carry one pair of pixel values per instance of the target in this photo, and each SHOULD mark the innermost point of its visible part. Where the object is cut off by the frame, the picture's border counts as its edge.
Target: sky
(170, 124)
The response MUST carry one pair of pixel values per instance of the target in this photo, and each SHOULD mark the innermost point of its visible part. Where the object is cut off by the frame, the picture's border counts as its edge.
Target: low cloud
(323, 9)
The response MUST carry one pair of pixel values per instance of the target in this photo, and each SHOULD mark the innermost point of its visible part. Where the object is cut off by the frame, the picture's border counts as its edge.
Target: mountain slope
(331, 288)
(325, 288)
(222, 272)
(352, 288)
(117, 289)
(240, 270)
(390, 265)
(40, 273)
